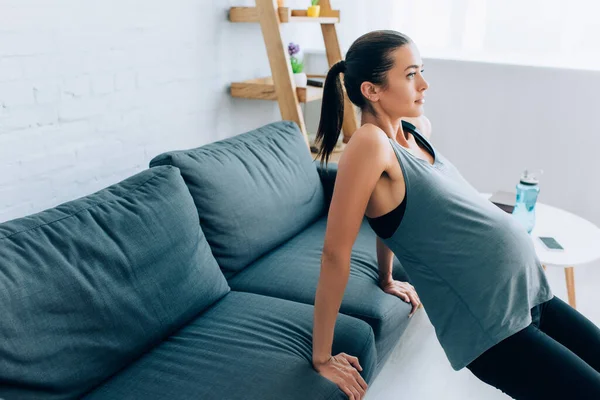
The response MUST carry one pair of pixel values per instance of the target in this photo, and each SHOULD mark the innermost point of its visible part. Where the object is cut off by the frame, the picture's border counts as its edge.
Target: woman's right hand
(343, 371)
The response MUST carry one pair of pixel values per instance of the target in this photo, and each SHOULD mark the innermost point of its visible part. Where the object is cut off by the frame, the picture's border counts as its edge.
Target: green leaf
(297, 65)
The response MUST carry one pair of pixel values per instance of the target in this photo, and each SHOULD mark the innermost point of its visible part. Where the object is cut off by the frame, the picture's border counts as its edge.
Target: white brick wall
(91, 91)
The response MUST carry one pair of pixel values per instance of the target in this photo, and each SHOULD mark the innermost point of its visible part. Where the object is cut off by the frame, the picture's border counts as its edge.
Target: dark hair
(368, 60)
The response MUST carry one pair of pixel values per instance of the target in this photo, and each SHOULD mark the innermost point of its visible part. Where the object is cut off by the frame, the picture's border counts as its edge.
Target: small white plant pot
(300, 79)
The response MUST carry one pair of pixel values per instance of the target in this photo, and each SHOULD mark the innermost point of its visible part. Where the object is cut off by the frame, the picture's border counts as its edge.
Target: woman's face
(404, 95)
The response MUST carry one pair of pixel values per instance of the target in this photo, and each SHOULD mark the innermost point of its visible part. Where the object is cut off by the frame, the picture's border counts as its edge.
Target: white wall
(90, 91)
(494, 120)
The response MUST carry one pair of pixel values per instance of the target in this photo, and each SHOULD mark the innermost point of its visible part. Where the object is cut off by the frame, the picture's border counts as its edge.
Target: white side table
(579, 237)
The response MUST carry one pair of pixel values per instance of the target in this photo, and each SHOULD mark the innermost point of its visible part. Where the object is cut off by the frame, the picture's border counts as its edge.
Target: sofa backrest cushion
(253, 191)
(89, 286)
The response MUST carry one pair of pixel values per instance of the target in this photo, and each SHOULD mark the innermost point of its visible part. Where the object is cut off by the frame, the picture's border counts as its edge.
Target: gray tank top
(472, 264)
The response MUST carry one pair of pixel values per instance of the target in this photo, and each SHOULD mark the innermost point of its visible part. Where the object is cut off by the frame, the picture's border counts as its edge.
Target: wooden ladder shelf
(280, 85)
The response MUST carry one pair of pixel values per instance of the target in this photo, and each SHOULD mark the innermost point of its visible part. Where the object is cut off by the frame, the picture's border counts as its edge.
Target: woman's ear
(369, 91)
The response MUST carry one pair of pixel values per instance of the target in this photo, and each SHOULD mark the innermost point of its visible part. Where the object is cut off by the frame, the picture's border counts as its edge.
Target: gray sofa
(193, 279)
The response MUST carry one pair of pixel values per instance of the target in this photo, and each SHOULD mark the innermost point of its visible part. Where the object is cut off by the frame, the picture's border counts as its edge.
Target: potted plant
(297, 64)
(314, 10)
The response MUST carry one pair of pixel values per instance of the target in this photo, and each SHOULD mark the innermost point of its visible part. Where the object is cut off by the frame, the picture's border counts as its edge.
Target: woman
(473, 265)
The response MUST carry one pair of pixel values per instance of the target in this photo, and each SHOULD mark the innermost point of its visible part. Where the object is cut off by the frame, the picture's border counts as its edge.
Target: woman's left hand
(403, 290)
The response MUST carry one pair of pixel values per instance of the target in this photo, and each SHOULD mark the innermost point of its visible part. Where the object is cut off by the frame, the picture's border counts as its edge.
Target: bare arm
(359, 169)
(385, 260)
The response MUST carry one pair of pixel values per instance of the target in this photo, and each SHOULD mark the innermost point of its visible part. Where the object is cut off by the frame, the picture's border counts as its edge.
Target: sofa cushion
(245, 347)
(327, 173)
(292, 272)
(253, 191)
(88, 286)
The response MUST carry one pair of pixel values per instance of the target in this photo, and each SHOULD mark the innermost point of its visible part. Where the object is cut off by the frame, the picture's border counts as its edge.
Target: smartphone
(550, 243)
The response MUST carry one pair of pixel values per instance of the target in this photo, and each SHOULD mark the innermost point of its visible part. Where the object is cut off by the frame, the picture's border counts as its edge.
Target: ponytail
(369, 59)
(332, 112)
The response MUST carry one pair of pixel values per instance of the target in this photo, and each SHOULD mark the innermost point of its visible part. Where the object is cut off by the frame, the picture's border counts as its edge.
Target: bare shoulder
(369, 144)
(422, 123)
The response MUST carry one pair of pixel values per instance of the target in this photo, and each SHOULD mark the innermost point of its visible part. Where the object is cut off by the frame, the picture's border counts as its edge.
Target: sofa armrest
(327, 174)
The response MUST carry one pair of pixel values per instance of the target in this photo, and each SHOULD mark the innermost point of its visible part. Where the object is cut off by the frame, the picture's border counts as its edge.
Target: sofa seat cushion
(292, 272)
(253, 191)
(90, 285)
(246, 346)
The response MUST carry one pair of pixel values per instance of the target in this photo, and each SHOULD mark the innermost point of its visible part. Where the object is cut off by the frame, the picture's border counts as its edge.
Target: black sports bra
(385, 225)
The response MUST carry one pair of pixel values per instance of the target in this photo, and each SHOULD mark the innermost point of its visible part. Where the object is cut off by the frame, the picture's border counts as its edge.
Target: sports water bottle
(527, 194)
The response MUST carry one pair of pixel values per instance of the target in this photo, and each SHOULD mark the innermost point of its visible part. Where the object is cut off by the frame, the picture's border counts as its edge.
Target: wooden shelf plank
(264, 89)
(323, 13)
(243, 14)
(250, 14)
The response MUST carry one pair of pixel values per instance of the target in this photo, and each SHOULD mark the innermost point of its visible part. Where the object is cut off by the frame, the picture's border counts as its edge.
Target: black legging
(556, 357)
